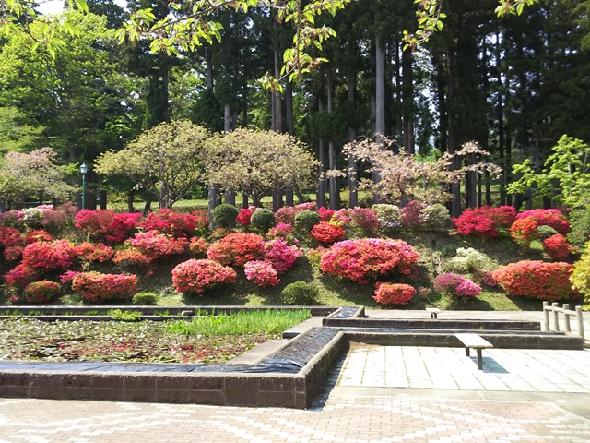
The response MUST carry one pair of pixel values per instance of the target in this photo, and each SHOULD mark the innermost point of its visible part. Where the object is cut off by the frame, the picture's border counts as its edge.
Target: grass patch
(267, 321)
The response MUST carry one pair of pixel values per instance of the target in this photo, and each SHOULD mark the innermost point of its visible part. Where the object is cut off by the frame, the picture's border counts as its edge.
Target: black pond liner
(288, 360)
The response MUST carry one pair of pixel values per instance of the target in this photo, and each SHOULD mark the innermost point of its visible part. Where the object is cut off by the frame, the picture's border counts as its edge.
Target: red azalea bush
(38, 292)
(20, 276)
(524, 230)
(327, 233)
(10, 237)
(94, 222)
(397, 294)
(13, 253)
(95, 287)
(123, 226)
(536, 279)
(156, 244)
(474, 222)
(485, 221)
(261, 273)
(281, 255)
(198, 246)
(93, 252)
(236, 249)
(365, 218)
(167, 221)
(37, 235)
(326, 214)
(369, 258)
(107, 225)
(547, 217)
(244, 216)
(557, 246)
(197, 276)
(131, 258)
(57, 255)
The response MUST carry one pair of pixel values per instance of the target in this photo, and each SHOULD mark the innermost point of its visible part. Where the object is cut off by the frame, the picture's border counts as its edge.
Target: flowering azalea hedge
(396, 294)
(366, 259)
(485, 221)
(95, 287)
(536, 279)
(236, 249)
(196, 276)
(261, 273)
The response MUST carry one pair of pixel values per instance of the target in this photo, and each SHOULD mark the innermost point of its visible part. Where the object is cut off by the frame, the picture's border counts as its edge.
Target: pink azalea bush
(281, 255)
(156, 244)
(455, 284)
(261, 273)
(197, 276)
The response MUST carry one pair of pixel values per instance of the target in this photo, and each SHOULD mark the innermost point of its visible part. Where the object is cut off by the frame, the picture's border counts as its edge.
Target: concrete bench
(433, 312)
(474, 341)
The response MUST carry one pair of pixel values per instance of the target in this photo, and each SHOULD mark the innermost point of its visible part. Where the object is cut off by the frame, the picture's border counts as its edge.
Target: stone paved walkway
(380, 417)
(449, 368)
(353, 408)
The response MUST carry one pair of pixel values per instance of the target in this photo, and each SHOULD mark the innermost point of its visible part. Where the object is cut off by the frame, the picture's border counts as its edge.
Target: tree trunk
(245, 203)
(131, 200)
(230, 196)
(353, 199)
(379, 99)
(333, 184)
(408, 102)
(452, 126)
(321, 196)
(291, 130)
(158, 107)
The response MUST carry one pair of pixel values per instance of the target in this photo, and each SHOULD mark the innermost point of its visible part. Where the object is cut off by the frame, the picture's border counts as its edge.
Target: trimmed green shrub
(263, 219)
(434, 218)
(581, 275)
(224, 216)
(145, 298)
(300, 293)
(305, 221)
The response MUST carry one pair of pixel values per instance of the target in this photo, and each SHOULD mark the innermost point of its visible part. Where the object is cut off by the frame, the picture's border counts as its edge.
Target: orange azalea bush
(236, 249)
(196, 276)
(536, 279)
(397, 294)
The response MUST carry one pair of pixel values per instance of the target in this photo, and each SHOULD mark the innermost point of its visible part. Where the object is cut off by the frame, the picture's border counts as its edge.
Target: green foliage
(32, 174)
(120, 315)
(435, 217)
(76, 89)
(224, 216)
(581, 274)
(163, 160)
(305, 220)
(263, 219)
(300, 293)
(565, 174)
(244, 322)
(17, 133)
(145, 298)
(470, 261)
(257, 162)
(580, 225)
(390, 217)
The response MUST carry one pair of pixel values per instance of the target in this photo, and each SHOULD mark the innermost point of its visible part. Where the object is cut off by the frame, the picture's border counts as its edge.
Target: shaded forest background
(514, 85)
